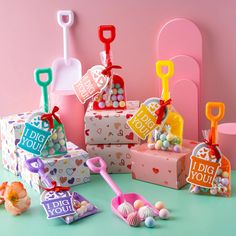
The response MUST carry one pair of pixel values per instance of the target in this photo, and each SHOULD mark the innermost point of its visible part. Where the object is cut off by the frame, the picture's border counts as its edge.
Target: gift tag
(204, 165)
(35, 134)
(57, 204)
(148, 117)
(92, 83)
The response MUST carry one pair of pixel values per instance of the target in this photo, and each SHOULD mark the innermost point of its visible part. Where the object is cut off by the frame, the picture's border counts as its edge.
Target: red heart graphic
(169, 171)
(87, 132)
(98, 117)
(133, 175)
(100, 146)
(130, 136)
(63, 180)
(128, 116)
(129, 166)
(130, 145)
(46, 170)
(78, 162)
(155, 170)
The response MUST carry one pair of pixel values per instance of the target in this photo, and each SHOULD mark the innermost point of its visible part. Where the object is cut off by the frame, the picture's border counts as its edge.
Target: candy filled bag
(210, 170)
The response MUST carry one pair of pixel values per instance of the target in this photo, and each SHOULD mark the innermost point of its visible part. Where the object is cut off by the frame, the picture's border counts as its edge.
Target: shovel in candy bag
(122, 204)
(209, 172)
(59, 201)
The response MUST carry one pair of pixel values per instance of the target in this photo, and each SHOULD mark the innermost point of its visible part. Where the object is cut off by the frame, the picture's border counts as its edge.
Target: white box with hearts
(67, 170)
(109, 126)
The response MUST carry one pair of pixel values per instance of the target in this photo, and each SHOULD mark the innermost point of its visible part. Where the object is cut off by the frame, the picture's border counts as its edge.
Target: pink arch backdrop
(30, 38)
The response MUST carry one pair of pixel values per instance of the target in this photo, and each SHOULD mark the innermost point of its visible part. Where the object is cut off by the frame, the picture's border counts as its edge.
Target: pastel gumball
(158, 145)
(177, 148)
(51, 151)
(125, 209)
(150, 222)
(90, 207)
(164, 214)
(169, 137)
(101, 105)
(61, 135)
(134, 219)
(145, 211)
(108, 103)
(120, 97)
(117, 85)
(122, 103)
(84, 203)
(62, 142)
(159, 205)
(151, 146)
(104, 96)
(113, 86)
(115, 104)
(54, 136)
(114, 91)
(166, 144)
(57, 146)
(44, 153)
(162, 137)
(120, 91)
(213, 191)
(196, 189)
(138, 204)
(59, 128)
(225, 174)
(113, 97)
(225, 181)
(62, 149)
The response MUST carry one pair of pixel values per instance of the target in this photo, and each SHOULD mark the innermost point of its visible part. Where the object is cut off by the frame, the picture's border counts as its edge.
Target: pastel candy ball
(51, 151)
(117, 85)
(166, 144)
(120, 97)
(50, 143)
(120, 91)
(225, 174)
(108, 103)
(101, 105)
(169, 137)
(115, 104)
(114, 91)
(151, 146)
(113, 85)
(158, 144)
(145, 211)
(159, 205)
(177, 148)
(162, 137)
(59, 128)
(62, 142)
(54, 136)
(125, 209)
(57, 146)
(113, 97)
(84, 203)
(164, 214)
(138, 204)
(196, 189)
(225, 181)
(61, 135)
(122, 104)
(213, 191)
(104, 96)
(44, 153)
(90, 207)
(63, 149)
(134, 219)
(150, 222)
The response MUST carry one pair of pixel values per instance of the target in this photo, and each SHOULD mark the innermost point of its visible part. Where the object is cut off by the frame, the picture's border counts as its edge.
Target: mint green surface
(191, 215)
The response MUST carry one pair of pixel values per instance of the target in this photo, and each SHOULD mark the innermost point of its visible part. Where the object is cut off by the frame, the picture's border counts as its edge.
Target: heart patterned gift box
(67, 170)
(164, 168)
(109, 126)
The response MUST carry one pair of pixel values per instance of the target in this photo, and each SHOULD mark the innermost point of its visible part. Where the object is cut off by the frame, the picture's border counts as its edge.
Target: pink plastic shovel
(98, 165)
(67, 70)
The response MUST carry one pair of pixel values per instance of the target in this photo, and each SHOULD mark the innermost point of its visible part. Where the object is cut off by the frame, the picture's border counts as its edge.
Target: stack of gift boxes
(108, 135)
(66, 170)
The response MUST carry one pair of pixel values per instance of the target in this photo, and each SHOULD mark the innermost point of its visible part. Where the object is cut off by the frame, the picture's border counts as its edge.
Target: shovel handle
(39, 169)
(165, 76)
(44, 84)
(98, 165)
(107, 41)
(65, 13)
(214, 118)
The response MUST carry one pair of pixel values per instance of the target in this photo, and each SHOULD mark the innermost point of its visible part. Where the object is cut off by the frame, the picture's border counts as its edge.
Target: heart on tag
(155, 170)
(92, 83)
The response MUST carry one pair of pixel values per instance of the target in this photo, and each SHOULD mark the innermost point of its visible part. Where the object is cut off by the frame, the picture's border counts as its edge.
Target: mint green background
(190, 214)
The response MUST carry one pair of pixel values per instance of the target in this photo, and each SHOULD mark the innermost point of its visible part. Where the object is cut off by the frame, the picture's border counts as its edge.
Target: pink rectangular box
(117, 156)
(169, 169)
(109, 126)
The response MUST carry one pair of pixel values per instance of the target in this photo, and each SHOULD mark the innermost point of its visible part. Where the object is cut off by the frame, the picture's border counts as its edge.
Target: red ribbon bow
(56, 188)
(108, 69)
(160, 111)
(49, 117)
(213, 149)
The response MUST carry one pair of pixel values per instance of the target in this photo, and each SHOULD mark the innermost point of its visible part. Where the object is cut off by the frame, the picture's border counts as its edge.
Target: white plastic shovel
(66, 71)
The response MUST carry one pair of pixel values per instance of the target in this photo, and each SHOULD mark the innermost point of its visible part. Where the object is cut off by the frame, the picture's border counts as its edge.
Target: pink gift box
(109, 126)
(165, 168)
(117, 156)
